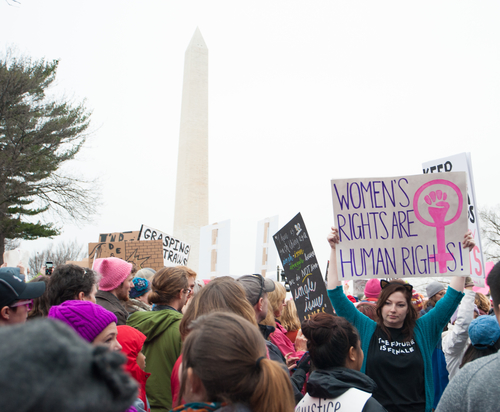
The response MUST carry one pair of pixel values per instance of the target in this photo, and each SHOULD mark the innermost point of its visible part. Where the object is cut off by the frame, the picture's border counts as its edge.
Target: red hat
(113, 270)
(372, 288)
(131, 341)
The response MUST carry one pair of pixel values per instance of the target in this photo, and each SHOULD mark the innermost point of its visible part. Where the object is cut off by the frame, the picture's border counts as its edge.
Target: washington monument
(191, 196)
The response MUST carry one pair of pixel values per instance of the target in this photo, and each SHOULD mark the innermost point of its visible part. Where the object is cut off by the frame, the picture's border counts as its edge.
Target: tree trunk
(2, 247)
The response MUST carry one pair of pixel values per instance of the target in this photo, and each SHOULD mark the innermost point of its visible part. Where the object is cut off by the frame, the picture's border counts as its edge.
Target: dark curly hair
(67, 281)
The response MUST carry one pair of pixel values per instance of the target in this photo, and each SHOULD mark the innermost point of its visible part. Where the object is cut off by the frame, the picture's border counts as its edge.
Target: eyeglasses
(28, 303)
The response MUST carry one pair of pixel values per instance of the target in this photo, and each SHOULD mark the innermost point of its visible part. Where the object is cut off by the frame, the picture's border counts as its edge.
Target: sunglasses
(28, 303)
(261, 280)
(384, 283)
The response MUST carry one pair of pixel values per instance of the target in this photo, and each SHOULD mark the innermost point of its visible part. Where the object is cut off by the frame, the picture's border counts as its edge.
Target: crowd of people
(114, 338)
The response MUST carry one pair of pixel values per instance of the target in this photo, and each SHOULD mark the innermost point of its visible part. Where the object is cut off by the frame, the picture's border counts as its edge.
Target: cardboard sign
(84, 263)
(265, 256)
(118, 236)
(142, 254)
(462, 163)
(104, 250)
(398, 227)
(301, 269)
(175, 251)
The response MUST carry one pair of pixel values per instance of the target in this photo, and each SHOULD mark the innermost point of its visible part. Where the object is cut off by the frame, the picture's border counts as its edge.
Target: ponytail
(273, 391)
(227, 353)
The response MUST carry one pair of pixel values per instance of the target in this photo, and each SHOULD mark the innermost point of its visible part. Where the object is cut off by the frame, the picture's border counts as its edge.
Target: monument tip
(197, 40)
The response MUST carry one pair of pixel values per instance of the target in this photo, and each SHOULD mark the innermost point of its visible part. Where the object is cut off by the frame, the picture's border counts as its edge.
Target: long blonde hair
(222, 293)
(228, 354)
(289, 318)
(276, 298)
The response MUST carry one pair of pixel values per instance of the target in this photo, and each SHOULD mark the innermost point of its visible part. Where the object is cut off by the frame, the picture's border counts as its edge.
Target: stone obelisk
(191, 196)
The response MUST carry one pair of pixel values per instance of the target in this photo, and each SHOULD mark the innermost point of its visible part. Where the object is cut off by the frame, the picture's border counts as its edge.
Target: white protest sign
(15, 257)
(214, 250)
(352, 400)
(462, 163)
(175, 251)
(265, 252)
(408, 226)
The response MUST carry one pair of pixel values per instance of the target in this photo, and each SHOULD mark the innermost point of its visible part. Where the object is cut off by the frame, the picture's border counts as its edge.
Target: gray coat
(474, 387)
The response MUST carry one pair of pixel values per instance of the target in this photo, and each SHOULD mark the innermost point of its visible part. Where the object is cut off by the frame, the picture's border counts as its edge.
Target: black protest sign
(301, 269)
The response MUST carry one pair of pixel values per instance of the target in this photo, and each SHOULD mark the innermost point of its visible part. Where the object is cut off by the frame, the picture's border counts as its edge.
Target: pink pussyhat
(113, 271)
(372, 288)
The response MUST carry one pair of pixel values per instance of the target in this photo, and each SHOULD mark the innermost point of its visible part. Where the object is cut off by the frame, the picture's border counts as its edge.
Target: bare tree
(64, 252)
(490, 231)
(11, 244)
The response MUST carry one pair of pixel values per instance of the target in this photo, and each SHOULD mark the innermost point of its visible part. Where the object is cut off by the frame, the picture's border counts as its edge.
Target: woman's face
(141, 361)
(395, 310)
(108, 338)
(279, 312)
(360, 357)
(438, 296)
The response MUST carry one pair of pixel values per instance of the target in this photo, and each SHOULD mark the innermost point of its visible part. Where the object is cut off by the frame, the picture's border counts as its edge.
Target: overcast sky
(299, 93)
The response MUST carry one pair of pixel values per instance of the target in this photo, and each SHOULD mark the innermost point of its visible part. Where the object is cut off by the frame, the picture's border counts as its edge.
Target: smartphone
(49, 267)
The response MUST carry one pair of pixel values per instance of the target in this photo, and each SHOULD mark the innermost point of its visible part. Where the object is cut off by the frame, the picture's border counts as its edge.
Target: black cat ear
(409, 287)
(383, 283)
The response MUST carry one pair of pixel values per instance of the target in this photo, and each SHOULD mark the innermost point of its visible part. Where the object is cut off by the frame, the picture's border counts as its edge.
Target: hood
(153, 324)
(334, 382)
(266, 330)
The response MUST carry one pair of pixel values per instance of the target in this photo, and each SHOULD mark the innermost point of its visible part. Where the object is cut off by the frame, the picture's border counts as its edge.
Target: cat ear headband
(384, 283)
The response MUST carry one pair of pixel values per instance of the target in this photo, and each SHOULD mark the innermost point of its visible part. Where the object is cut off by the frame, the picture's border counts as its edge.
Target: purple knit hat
(86, 318)
(114, 271)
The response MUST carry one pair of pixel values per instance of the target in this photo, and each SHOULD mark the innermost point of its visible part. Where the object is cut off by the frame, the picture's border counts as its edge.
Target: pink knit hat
(372, 288)
(86, 318)
(113, 271)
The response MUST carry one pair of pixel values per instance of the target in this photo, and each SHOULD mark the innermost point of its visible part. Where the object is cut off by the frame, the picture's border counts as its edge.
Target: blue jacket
(427, 330)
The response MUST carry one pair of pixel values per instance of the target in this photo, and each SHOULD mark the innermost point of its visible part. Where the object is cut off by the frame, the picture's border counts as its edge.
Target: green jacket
(162, 348)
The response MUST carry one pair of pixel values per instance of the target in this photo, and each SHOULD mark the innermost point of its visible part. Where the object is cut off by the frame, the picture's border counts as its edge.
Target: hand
(21, 268)
(300, 342)
(468, 241)
(291, 361)
(4, 265)
(333, 238)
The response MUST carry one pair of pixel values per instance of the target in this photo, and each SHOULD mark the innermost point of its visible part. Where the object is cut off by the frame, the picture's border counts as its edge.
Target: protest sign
(175, 251)
(215, 250)
(265, 252)
(118, 236)
(401, 227)
(17, 256)
(350, 400)
(142, 254)
(462, 163)
(103, 250)
(301, 269)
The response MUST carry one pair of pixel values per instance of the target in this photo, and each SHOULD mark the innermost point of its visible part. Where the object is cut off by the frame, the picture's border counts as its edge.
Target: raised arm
(458, 282)
(333, 240)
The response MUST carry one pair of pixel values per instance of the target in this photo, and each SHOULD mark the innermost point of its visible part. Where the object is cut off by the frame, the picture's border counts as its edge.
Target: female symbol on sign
(438, 215)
